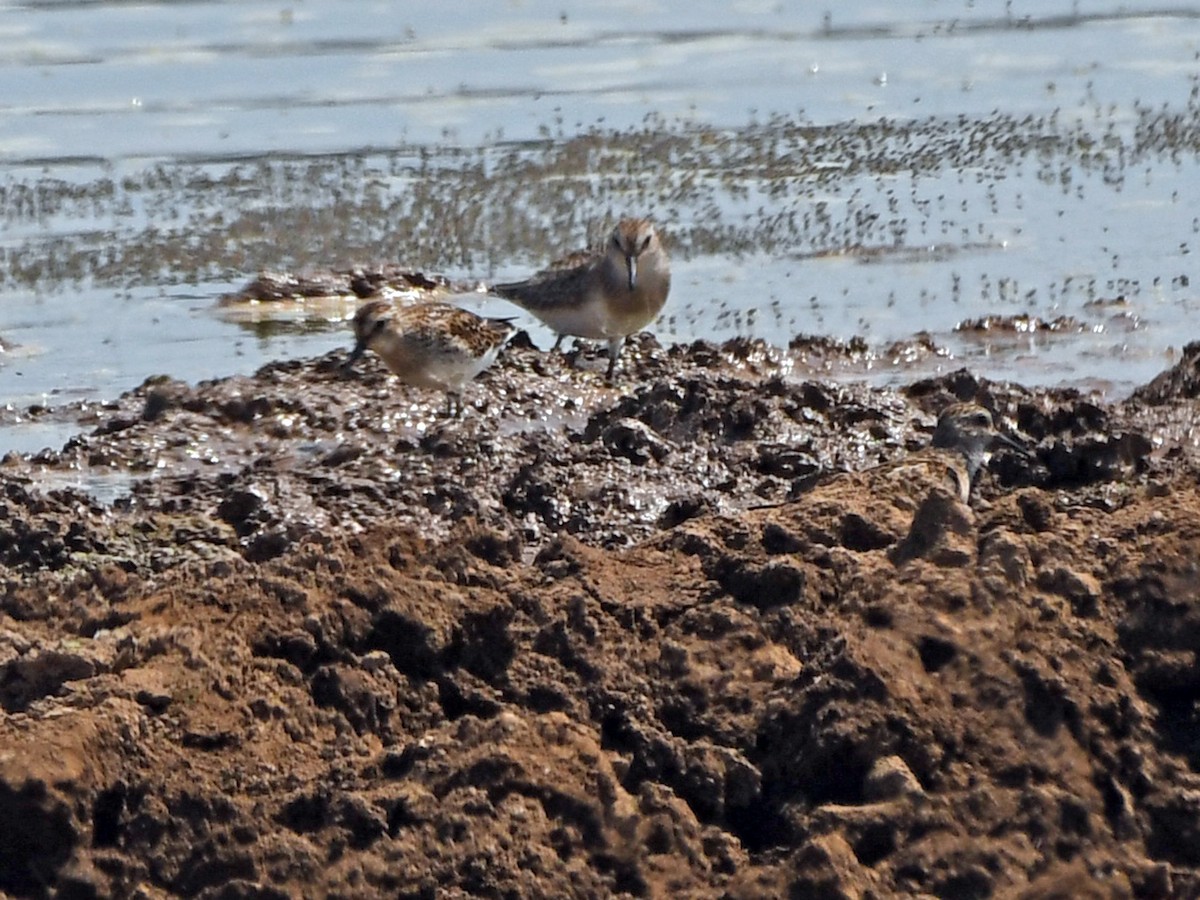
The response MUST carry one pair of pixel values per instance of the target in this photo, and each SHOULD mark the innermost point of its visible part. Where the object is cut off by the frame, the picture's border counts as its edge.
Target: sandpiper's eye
(646, 242)
(617, 241)
(379, 325)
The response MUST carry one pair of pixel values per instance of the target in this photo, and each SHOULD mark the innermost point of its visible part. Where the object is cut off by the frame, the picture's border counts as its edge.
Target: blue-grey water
(857, 168)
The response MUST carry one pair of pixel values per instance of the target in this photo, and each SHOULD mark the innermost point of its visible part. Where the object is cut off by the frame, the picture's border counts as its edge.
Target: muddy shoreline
(331, 643)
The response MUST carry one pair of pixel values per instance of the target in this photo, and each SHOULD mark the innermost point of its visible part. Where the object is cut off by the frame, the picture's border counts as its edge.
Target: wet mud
(597, 641)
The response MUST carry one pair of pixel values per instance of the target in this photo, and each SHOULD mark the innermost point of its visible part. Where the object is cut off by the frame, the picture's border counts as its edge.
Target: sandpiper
(937, 482)
(429, 345)
(963, 441)
(607, 296)
(962, 445)
(917, 506)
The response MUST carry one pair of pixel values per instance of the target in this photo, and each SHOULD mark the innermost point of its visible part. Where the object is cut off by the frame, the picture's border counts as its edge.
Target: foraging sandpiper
(429, 345)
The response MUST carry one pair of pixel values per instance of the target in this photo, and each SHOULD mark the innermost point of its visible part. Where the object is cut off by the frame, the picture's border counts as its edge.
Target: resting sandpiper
(608, 296)
(429, 345)
(962, 445)
(966, 436)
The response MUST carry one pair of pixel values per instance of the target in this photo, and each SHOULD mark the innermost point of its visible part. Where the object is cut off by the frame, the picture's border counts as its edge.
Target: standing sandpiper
(429, 345)
(608, 296)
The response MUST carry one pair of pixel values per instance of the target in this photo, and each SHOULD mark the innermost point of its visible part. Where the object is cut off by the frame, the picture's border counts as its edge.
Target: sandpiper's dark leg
(360, 347)
(569, 358)
(614, 350)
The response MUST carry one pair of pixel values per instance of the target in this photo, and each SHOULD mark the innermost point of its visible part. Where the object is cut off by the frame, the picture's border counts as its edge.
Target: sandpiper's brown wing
(908, 478)
(562, 280)
(925, 470)
(446, 327)
(543, 290)
(574, 260)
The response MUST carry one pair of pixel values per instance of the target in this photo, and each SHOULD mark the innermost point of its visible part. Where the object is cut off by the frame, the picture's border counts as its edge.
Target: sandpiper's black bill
(1004, 440)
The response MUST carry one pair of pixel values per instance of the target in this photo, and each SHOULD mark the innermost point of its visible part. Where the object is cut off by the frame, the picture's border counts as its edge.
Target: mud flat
(303, 636)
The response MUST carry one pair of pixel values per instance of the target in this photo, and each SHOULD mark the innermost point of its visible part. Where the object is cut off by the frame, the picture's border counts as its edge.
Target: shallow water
(871, 170)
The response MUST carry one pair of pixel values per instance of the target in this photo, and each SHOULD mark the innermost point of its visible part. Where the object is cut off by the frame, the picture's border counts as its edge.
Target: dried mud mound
(592, 642)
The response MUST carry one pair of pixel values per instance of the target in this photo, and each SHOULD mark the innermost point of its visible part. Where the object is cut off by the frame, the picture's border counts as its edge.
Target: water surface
(861, 169)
